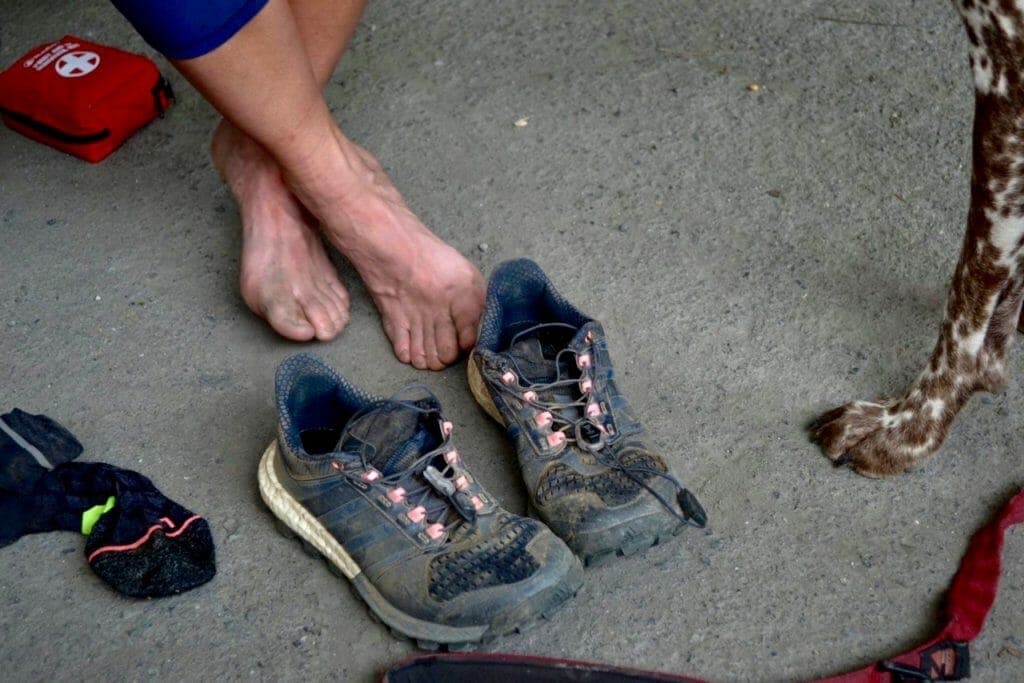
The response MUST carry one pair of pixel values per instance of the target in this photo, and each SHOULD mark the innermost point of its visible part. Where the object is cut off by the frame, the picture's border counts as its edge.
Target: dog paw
(879, 439)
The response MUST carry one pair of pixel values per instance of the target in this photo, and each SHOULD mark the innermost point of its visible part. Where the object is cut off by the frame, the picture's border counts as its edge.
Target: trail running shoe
(377, 487)
(541, 368)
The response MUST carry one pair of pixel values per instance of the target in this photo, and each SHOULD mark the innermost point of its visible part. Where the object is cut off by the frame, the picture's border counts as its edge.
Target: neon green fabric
(93, 514)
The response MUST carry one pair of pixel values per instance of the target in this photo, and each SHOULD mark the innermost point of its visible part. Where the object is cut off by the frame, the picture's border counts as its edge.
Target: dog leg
(984, 304)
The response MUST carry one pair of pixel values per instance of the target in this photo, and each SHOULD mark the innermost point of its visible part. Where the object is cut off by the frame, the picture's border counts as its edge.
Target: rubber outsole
(294, 521)
(634, 547)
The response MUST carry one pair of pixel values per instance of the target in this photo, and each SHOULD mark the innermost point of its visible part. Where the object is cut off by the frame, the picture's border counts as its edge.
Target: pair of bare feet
(429, 296)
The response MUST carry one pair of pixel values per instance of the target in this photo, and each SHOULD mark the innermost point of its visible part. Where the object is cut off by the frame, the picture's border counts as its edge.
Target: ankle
(237, 157)
(309, 144)
(333, 180)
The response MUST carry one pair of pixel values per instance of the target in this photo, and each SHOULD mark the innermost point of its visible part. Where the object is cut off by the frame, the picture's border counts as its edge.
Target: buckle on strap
(949, 660)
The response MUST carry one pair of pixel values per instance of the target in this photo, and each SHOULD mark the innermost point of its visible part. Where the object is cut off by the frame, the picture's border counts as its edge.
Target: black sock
(30, 445)
(146, 545)
(139, 541)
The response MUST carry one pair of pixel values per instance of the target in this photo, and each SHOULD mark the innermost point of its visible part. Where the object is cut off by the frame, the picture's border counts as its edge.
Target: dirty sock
(142, 544)
(139, 542)
(29, 446)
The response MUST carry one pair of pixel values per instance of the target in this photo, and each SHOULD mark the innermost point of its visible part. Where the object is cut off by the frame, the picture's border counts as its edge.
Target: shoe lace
(586, 420)
(427, 485)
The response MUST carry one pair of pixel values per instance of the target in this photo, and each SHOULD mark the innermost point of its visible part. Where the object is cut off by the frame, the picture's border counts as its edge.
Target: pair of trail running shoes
(378, 488)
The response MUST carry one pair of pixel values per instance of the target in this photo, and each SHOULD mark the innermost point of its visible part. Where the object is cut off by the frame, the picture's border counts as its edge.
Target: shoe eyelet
(556, 439)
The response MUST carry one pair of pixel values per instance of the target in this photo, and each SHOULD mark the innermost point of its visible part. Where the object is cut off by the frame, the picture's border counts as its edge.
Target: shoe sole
(634, 541)
(294, 520)
(633, 544)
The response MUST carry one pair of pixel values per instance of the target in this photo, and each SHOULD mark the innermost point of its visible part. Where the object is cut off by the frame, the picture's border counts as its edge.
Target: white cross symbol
(75, 64)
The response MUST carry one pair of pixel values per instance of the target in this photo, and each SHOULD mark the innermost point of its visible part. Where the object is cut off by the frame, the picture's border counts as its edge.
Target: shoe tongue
(536, 363)
(392, 436)
(528, 355)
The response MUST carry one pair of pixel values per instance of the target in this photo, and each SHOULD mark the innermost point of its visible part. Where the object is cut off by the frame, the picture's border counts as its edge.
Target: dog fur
(888, 436)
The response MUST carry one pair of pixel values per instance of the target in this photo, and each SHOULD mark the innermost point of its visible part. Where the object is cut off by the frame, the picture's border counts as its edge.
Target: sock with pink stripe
(146, 545)
(138, 541)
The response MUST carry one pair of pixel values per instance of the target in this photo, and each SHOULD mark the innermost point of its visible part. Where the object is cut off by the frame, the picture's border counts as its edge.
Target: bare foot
(286, 276)
(429, 296)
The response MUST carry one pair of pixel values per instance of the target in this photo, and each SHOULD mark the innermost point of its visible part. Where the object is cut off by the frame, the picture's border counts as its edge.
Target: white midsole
(298, 518)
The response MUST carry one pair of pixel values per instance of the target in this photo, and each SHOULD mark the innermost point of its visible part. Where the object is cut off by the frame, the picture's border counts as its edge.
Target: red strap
(943, 658)
(973, 591)
(970, 597)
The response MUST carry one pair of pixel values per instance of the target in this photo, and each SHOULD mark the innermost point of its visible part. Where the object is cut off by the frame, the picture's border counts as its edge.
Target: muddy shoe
(377, 487)
(541, 368)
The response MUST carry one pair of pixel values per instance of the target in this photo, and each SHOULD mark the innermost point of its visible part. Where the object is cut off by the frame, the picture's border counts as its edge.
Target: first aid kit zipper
(50, 131)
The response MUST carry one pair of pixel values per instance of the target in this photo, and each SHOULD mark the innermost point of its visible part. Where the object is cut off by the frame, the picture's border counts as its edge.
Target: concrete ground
(756, 257)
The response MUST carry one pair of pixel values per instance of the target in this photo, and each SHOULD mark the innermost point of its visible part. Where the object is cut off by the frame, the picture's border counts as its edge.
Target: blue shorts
(183, 29)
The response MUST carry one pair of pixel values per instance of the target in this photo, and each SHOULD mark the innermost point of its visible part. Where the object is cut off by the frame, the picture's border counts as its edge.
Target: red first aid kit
(81, 97)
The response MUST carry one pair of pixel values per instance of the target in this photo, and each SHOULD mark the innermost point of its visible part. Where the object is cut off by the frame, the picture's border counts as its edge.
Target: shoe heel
(478, 387)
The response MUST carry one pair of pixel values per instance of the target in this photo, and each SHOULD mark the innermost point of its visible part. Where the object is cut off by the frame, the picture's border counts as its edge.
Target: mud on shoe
(377, 487)
(541, 368)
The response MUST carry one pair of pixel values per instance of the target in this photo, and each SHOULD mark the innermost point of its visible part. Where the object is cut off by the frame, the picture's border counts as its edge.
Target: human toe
(401, 339)
(319, 316)
(434, 361)
(335, 311)
(418, 347)
(288, 320)
(446, 341)
(465, 316)
(341, 298)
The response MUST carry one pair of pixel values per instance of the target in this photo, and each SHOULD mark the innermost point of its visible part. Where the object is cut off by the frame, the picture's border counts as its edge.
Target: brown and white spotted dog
(984, 305)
